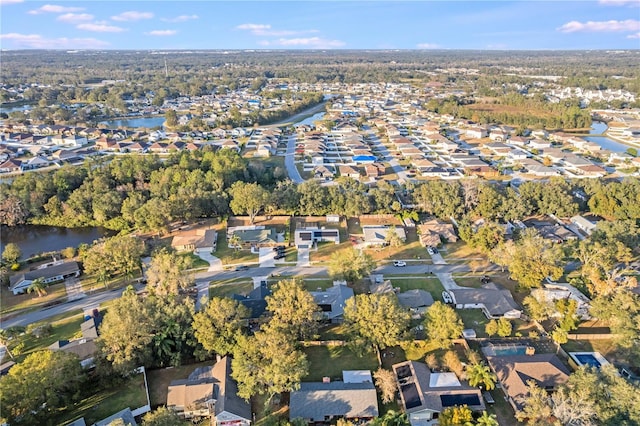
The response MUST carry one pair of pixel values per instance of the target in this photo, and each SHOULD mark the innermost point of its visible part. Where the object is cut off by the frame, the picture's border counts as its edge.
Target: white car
(446, 297)
(431, 251)
(399, 263)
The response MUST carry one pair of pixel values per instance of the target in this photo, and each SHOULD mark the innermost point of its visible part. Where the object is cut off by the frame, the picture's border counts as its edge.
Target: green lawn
(23, 303)
(474, 318)
(229, 255)
(325, 250)
(229, 287)
(330, 361)
(315, 284)
(429, 283)
(502, 409)
(196, 261)
(410, 250)
(160, 379)
(105, 403)
(64, 327)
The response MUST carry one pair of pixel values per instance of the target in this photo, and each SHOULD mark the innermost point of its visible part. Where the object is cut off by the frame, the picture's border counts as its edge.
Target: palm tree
(487, 419)
(481, 375)
(235, 241)
(39, 286)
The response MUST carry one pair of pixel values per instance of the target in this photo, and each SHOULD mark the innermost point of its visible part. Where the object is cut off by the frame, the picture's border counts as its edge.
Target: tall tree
(458, 415)
(386, 384)
(162, 416)
(11, 253)
(442, 324)
(378, 318)
(37, 387)
(351, 264)
(293, 310)
(126, 333)
(167, 273)
(248, 198)
(267, 363)
(218, 326)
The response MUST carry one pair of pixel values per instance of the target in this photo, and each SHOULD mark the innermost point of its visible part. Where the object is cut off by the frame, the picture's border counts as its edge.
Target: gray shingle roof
(314, 401)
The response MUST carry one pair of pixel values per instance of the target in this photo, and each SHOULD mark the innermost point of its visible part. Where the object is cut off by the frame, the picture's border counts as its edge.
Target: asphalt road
(202, 280)
(289, 162)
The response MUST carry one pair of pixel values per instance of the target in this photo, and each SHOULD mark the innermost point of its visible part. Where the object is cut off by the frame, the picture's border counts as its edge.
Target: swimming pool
(588, 359)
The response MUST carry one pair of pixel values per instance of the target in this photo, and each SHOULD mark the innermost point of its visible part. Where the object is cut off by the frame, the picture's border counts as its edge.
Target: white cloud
(427, 46)
(3, 2)
(132, 16)
(253, 27)
(100, 27)
(74, 18)
(36, 41)
(620, 2)
(310, 42)
(636, 35)
(162, 32)
(54, 8)
(601, 26)
(181, 18)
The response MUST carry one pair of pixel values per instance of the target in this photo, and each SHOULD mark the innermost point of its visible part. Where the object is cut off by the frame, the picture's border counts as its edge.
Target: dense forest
(145, 192)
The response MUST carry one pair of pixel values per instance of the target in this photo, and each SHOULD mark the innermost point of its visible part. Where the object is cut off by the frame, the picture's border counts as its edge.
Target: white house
(308, 236)
(584, 224)
(59, 272)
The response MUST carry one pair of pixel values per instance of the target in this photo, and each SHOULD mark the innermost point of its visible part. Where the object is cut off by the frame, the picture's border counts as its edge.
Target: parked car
(279, 248)
(279, 256)
(399, 263)
(446, 297)
(430, 250)
(241, 268)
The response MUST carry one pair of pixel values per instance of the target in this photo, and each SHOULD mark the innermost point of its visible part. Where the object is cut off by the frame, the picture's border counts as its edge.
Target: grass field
(429, 283)
(64, 327)
(228, 287)
(27, 302)
(105, 403)
(330, 361)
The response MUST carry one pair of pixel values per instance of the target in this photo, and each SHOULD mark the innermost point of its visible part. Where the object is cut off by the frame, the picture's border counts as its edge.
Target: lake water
(148, 122)
(599, 127)
(309, 120)
(34, 239)
(7, 110)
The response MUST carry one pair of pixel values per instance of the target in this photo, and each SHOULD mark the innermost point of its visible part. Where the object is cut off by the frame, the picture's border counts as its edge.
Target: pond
(147, 122)
(598, 128)
(309, 120)
(34, 239)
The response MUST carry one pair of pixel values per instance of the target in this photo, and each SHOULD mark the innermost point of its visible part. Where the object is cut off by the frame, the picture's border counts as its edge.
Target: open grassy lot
(63, 327)
(160, 379)
(11, 304)
(460, 250)
(330, 361)
(325, 250)
(107, 402)
(410, 250)
(228, 287)
(429, 283)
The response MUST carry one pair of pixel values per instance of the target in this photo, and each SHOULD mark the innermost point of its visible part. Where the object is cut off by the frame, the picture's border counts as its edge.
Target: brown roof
(513, 372)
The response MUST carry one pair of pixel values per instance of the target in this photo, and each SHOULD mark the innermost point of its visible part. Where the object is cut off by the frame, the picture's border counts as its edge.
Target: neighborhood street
(202, 280)
(289, 161)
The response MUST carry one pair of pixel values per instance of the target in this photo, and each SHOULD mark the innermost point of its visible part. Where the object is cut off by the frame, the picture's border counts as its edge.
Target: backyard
(103, 404)
(330, 361)
(160, 379)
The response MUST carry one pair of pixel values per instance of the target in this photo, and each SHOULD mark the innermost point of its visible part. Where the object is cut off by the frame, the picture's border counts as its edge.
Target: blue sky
(597, 24)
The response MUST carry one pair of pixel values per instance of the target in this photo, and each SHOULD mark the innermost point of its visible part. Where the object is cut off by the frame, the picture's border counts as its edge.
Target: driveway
(266, 257)
(215, 264)
(74, 289)
(447, 281)
(438, 259)
(303, 256)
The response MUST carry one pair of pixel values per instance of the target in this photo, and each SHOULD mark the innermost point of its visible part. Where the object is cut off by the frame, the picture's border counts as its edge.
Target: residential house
(210, 392)
(477, 132)
(124, 417)
(254, 236)
(432, 232)
(374, 170)
(515, 371)
(540, 170)
(550, 292)
(306, 237)
(416, 301)
(349, 171)
(11, 166)
(494, 303)
(84, 347)
(424, 395)
(376, 235)
(322, 172)
(58, 272)
(255, 301)
(354, 398)
(195, 240)
(584, 224)
(332, 300)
